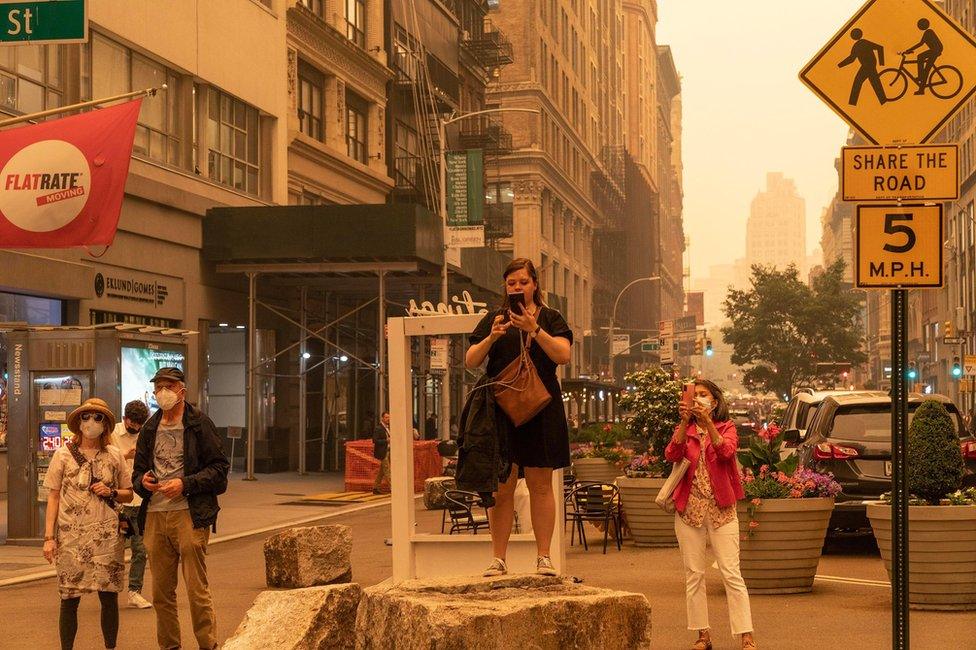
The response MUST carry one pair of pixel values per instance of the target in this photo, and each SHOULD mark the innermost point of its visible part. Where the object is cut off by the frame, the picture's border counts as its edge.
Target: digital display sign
(139, 364)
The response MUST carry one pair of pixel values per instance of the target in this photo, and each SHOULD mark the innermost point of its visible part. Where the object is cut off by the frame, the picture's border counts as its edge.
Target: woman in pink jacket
(705, 503)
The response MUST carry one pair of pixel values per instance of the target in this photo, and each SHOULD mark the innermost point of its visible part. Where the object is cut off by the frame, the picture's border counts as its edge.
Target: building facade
(776, 229)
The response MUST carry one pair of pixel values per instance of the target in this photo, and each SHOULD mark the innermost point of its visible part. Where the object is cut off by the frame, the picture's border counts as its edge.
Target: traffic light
(708, 348)
(956, 368)
(699, 343)
(948, 328)
(912, 373)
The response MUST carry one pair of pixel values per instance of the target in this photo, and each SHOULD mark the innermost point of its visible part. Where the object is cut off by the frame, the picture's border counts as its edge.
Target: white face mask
(91, 429)
(166, 399)
(704, 402)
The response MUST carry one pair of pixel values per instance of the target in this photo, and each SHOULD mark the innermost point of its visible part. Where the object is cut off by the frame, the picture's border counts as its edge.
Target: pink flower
(607, 428)
(753, 524)
(757, 502)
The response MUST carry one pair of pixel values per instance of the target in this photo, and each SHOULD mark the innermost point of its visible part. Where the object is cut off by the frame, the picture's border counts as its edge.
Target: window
(356, 21)
(117, 69)
(356, 146)
(232, 142)
(31, 77)
(406, 155)
(310, 84)
(315, 6)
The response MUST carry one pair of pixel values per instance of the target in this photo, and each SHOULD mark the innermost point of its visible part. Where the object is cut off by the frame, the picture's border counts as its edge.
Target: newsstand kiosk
(52, 370)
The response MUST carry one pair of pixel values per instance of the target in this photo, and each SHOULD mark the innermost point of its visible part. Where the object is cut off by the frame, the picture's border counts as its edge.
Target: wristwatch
(534, 333)
(115, 493)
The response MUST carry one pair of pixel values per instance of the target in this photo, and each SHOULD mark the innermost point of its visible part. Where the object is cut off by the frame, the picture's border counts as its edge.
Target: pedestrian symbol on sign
(863, 52)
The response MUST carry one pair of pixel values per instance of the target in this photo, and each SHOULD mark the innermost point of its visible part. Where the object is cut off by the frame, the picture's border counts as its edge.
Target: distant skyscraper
(776, 230)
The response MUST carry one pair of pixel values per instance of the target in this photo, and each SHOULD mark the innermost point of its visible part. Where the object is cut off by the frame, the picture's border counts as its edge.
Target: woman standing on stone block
(705, 502)
(540, 445)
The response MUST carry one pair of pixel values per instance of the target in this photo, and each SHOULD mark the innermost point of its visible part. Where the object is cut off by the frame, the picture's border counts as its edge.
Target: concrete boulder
(300, 619)
(519, 611)
(308, 556)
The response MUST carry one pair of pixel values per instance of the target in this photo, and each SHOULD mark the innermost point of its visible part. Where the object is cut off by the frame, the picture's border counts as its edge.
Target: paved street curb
(50, 573)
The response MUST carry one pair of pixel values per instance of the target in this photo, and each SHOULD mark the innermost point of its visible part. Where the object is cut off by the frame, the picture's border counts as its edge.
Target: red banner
(62, 182)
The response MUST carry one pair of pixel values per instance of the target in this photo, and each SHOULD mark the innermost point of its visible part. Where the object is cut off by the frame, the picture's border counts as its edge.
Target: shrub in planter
(935, 462)
(593, 462)
(607, 434)
(653, 404)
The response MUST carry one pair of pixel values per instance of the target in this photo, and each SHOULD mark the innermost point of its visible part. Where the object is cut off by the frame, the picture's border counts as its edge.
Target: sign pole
(899, 493)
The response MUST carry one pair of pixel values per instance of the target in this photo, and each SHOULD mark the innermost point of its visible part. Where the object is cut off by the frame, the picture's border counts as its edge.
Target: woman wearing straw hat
(81, 532)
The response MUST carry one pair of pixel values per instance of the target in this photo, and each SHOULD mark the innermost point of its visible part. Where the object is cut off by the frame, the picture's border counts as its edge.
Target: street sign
(953, 340)
(666, 331)
(43, 21)
(650, 346)
(899, 246)
(896, 72)
(620, 345)
(969, 364)
(438, 353)
(686, 323)
(465, 199)
(928, 171)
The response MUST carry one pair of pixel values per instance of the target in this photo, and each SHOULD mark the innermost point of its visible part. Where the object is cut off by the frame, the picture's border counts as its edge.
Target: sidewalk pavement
(248, 507)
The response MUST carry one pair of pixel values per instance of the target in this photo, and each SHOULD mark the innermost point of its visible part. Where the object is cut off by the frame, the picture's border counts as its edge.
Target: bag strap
(81, 460)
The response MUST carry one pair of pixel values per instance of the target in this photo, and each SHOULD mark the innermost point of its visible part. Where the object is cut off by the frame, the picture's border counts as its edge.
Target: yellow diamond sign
(896, 72)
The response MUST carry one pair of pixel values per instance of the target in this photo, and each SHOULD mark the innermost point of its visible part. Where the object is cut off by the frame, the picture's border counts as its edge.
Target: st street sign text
(899, 246)
(921, 172)
(43, 21)
(896, 72)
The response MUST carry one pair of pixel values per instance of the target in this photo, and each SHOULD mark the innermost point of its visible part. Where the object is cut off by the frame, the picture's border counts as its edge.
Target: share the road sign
(928, 171)
(899, 246)
(896, 72)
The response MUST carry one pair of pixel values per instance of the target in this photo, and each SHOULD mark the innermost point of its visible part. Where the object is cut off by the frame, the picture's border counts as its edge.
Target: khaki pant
(171, 538)
(725, 547)
(384, 472)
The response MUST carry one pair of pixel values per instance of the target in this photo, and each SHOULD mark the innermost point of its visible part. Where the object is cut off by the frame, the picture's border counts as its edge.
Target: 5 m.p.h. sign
(899, 246)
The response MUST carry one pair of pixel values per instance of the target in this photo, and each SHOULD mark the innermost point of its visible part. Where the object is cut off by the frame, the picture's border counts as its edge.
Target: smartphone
(515, 300)
(688, 394)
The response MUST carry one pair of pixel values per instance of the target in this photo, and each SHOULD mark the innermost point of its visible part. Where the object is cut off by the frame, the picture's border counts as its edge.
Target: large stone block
(308, 556)
(519, 611)
(300, 619)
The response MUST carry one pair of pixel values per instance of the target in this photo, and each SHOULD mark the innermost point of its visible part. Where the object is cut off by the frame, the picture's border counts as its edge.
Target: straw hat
(93, 405)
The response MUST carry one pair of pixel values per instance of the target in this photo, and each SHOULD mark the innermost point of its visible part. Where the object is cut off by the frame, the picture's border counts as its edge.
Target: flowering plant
(646, 465)
(965, 497)
(616, 454)
(769, 483)
(765, 450)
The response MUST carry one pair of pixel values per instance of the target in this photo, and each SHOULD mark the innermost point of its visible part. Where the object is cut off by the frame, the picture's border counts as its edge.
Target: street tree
(780, 327)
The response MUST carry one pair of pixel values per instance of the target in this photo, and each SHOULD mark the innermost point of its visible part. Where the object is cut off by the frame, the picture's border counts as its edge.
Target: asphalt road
(848, 607)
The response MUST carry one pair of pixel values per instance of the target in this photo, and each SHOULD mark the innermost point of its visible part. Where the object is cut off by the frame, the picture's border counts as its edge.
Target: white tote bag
(665, 497)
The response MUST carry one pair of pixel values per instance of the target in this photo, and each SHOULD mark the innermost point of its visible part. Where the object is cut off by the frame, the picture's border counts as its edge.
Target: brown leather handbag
(518, 389)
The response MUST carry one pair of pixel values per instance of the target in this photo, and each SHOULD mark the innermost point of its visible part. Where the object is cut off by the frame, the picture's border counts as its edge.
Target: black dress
(543, 441)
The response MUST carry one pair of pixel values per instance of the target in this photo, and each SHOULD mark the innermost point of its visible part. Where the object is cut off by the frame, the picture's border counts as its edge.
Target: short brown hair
(722, 406)
(518, 264)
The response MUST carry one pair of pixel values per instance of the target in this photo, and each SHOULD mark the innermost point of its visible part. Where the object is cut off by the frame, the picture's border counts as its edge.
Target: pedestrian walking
(125, 436)
(381, 451)
(179, 469)
(705, 509)
(85, 480)
(539, 446)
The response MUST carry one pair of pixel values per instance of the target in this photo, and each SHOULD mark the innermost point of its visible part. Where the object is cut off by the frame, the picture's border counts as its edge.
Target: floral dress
(701, 500)
(90, 549)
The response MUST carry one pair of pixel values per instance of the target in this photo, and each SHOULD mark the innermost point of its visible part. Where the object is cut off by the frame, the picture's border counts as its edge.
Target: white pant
(725, 546)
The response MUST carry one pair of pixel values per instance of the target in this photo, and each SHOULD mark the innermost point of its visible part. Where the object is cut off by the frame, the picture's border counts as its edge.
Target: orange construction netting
(362, 468)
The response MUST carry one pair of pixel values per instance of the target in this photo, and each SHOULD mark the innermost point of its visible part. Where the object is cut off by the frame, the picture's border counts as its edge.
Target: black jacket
(381, 442)
(205, 466)
(483, 444)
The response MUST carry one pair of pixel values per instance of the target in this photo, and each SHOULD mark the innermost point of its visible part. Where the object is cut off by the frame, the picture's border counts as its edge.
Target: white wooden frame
(417, 555)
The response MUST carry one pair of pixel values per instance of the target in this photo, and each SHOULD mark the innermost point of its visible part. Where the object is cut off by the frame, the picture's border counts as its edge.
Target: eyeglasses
(98, 417)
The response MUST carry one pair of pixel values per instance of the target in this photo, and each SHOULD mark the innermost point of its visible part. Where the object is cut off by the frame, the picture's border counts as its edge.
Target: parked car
(850, 436)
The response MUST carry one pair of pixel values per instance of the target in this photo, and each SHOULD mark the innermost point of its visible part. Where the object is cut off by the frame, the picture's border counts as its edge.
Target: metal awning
(121, 327)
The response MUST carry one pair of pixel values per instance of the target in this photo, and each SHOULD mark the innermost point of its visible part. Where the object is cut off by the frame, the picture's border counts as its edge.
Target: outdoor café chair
(460, 507)
(597, 502)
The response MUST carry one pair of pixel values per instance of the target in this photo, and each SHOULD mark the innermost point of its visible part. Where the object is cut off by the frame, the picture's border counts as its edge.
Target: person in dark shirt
(869, 56)
(926, 59)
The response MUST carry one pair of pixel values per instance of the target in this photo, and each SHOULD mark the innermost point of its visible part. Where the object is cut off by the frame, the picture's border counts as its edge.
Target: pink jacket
(722, 472)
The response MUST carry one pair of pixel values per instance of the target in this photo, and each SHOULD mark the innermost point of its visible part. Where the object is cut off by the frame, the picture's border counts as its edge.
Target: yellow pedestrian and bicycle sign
(899, 246)
(896, 72)
(910, 173)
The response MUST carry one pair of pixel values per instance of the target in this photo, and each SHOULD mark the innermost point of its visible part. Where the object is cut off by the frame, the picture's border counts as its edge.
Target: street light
(613, 314)
(445, 424)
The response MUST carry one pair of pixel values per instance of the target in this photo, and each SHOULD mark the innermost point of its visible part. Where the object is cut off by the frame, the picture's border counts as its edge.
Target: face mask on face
(704, 402)
(91, 429)
(166, 399)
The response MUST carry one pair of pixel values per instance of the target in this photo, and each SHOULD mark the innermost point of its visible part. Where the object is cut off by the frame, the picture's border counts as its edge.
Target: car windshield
(873, 421)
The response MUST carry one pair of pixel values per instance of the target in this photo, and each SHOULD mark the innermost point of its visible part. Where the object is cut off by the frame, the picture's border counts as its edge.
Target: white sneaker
(136, 600)
(543, 566)
(496, 568)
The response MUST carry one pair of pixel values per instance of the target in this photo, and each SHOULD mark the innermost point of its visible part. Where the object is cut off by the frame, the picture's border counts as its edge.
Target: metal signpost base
(899, 491)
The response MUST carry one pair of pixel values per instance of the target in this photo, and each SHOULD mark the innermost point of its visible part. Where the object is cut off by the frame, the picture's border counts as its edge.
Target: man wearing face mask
(125, 436)
(179, 470)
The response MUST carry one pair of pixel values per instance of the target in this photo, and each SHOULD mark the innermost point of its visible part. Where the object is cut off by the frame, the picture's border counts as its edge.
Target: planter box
(941, 552)
(782, 555)
(595, 469)
(649, 525)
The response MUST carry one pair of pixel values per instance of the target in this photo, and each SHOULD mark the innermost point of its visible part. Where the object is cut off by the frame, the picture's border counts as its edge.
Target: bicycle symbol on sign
(890, 84)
